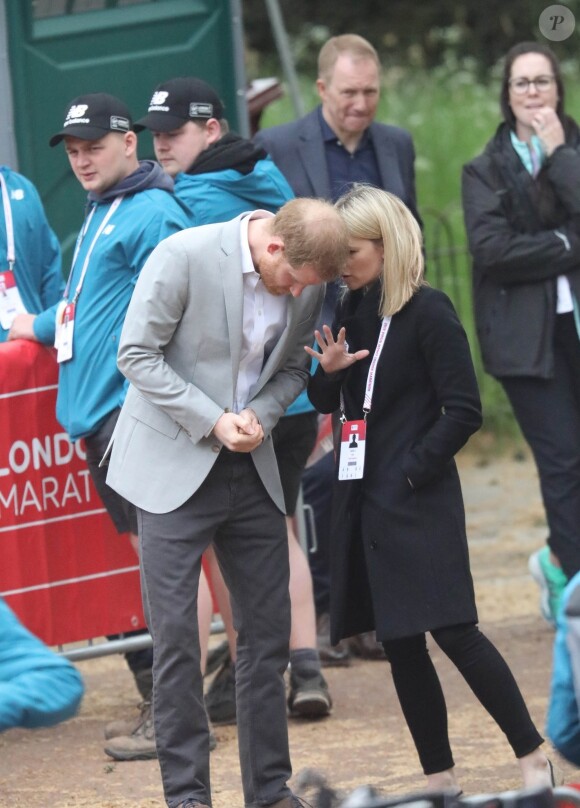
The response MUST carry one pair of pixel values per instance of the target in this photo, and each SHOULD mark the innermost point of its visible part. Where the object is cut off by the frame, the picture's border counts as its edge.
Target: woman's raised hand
(334, 355)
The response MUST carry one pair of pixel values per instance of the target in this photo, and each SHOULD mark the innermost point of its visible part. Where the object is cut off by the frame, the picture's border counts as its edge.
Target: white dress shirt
(264, 320)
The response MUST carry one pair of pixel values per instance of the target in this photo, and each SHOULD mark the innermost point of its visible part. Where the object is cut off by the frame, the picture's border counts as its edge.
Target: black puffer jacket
(523, 233)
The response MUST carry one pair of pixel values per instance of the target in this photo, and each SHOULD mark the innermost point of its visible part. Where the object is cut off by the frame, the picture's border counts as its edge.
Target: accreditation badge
(65, 324)
(352, 450)
(10, 301)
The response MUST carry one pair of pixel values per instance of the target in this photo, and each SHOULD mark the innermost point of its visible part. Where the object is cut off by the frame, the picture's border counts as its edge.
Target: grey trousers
(232, 510)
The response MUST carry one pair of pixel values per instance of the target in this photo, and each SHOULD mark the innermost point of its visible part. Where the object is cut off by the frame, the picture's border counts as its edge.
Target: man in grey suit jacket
(213, 347)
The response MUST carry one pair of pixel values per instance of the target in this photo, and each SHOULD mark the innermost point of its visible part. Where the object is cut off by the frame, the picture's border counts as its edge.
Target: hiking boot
(308, 696)
(126, 726)
(216, 657)
(551, 580)
(192, 804)
(140, 744)
(220, 699)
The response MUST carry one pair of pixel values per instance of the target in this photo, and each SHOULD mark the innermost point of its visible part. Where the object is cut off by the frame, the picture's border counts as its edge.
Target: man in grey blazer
(213, 347)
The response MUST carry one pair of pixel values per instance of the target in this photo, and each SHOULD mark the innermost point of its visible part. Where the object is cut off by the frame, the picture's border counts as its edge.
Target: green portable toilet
(54, 50)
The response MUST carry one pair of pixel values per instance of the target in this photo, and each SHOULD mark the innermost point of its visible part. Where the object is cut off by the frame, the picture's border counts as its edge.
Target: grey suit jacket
(180, 349)
(297, 148)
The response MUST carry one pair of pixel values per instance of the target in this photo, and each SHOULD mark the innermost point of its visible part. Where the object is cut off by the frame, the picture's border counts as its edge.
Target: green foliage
(451, 115)
(419, 34)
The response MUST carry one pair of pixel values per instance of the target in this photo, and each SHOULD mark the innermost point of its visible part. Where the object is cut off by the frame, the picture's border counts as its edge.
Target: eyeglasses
(522, 85)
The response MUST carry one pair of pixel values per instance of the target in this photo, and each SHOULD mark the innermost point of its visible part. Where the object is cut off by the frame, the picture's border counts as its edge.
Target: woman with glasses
(521, 201)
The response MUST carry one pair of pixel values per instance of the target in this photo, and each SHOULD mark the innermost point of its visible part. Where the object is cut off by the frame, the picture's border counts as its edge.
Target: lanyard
(370, 385)
(10, 250)
(116, 202)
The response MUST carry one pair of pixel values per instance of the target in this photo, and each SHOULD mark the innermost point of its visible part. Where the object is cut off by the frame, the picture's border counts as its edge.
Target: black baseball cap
(177, 101)
(93, 116)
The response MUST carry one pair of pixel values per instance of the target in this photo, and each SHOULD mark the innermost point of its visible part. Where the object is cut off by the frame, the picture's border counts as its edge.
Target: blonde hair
(313, 233)
(371, 213)
(353, 44)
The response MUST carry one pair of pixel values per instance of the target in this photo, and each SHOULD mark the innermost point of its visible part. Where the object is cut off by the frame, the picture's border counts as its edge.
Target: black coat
(399, 556)
(523, 232)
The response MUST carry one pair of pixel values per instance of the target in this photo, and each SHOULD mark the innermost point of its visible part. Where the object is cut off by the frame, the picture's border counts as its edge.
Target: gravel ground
(365, 739)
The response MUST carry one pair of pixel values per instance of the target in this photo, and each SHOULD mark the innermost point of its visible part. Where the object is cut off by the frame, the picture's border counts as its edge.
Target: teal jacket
(38, 688)
(90, 386)
(38, 262)
(231, 177)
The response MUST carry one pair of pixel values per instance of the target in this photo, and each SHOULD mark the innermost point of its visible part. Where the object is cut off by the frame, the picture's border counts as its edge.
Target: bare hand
(21, 327)
(239, 432)
(548, 128)
(334, 354)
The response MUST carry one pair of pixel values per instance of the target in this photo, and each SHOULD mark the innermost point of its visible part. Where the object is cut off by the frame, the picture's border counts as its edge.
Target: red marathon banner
(63, 568)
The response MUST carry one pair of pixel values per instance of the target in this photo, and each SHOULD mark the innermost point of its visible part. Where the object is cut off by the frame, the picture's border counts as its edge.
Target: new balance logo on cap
(76, 111)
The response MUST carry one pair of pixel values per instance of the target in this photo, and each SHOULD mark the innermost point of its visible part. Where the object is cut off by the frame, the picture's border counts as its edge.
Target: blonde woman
(397, 364)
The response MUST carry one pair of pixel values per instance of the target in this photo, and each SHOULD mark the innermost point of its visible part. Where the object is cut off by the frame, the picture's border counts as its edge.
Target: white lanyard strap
(116, 202)
(10, 249)
(372, 370)
(370, 385)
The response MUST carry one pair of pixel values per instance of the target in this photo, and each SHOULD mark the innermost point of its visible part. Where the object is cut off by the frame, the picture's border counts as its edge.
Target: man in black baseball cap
(90, 117)
(179, 100)
(131, 207)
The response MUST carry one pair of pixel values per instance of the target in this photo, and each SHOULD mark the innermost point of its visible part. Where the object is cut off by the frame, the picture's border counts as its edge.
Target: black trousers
(548, 412)
(423, 703)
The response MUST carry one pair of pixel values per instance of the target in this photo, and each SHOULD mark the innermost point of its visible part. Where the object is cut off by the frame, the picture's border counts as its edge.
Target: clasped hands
(334, 355)
(239, 432)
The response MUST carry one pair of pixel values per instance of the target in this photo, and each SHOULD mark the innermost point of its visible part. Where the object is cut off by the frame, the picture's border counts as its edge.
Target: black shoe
(309, 696)
(330, 655)
(220, 699)
(365, 646)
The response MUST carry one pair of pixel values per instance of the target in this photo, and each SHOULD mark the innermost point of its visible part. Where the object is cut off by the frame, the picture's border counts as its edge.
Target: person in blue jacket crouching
(38, 688)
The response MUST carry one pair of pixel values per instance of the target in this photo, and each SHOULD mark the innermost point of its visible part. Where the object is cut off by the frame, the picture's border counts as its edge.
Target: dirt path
(364, 741)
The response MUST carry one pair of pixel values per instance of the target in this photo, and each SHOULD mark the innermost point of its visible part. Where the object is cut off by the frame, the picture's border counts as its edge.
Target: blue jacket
(90, 386)
(38, 267)
(563, 724)
(38, 688)
(222, 192)
(219, 196)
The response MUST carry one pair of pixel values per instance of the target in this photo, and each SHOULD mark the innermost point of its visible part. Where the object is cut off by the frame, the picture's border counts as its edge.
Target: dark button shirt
(345, 168)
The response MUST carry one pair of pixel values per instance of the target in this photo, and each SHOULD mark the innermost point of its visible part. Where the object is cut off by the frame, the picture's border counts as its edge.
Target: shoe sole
(537, 574)
(335, 662)
(310, 706)
(130, 755)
